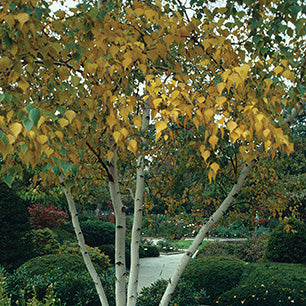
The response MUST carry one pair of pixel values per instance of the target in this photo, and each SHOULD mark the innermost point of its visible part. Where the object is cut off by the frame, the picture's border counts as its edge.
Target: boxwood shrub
(287, 242)
(66, 274)
(215, 275)
(185, 294)
(268, 284)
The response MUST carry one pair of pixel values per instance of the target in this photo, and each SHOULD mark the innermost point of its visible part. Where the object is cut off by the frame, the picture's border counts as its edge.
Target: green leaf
(29, 107)
(56, 170)
(1, 97)
(295, 9)
(7, 40)
(28, 123)
(74, 169)
(24, 148)
(38, 13)
(65, 166)
(101, 15)
(77, 56)
(35, 115)
(8, 98)
(8, 179)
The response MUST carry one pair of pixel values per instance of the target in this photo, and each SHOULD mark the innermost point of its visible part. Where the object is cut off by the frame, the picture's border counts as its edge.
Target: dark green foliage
(14, 223)
(97, 232)
(64, 233)
(67, 275)
(287, 242)
(214, 248)
(215, 275)
(269, 284)
(148, 251)
(109, 250)
(185, 294)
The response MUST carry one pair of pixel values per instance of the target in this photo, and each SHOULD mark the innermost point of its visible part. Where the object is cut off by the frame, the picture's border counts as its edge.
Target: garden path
(154, 268)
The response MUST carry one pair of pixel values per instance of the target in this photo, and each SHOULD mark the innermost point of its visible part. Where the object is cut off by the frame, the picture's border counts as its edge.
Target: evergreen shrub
(97, 232)
(185, 294)
(148, 251)
(287, 242)
(66, 274)
(215, 274)
(268, 284)
(14, 224)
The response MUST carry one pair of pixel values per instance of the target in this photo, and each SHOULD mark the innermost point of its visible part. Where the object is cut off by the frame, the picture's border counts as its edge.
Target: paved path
(154, 268)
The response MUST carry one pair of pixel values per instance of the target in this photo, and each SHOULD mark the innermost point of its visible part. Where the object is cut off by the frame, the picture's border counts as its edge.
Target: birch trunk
(120, 210)
(203, 232)
(78, 232)
(138, 209)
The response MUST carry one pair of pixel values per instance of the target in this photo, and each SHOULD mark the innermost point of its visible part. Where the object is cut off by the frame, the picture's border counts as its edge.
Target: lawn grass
(184, 244)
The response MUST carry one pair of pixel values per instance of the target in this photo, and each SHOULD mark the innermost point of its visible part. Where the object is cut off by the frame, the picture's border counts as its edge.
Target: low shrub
(185, 294)
(287, 242)
(268, 284)
(97, 257)
(67, 276)
(97, 232)
(148, 251)
(44, 242)
(166, 247)
(214, 248)
(215, 274)
(109, 250)
(46, 215)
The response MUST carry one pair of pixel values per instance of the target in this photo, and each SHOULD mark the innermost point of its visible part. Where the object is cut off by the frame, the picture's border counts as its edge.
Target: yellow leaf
(208, 113)
(48, 151)
(60, 135)
(278, 70)
(111, 120)
(288, 75)
(221, 100)
(204, 63)
(124, 132)
(23, 85)
(41, 121)
(117, 136)
(266, 132)
(5, 63)
(220, 87)
(42, 139)
(22, 18)
(11, 139)
(231, 125)
(215, 167)
(110, 155)
(16, 128)
(63, 122)
(160, 126)
(137, 121)
(91, 67)
(70, 114)
(213, 140)
(157, 101)
(204, 153)
(132, 146)
(127, 62)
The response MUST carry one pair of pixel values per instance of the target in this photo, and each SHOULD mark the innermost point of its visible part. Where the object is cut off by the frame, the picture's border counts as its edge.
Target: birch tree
(78, 91)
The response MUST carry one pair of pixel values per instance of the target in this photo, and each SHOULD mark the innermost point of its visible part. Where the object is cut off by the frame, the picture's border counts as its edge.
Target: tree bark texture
(80, 238)
(138, 210)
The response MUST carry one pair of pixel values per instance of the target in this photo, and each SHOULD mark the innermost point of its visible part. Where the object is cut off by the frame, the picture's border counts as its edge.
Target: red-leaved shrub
(46, 215)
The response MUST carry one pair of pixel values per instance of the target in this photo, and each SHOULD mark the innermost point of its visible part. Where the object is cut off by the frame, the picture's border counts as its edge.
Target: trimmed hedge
(287, 242)
(268, 284)
(215, 275)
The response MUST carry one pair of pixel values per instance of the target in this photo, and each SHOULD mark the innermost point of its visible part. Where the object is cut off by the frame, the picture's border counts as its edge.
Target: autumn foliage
(46, 215)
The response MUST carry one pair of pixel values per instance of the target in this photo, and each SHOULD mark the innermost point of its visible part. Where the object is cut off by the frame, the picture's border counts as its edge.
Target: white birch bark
(138, 210)
(120, 210)
(203, 232)
(78, 232)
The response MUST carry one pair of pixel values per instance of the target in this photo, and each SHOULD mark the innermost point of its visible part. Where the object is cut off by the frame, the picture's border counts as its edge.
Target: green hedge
(269, 284)
(66, 274)
(287, 242)
(215, 275)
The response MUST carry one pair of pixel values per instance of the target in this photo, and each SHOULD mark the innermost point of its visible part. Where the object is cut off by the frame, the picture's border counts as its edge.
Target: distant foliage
(287, 242)
(14, 224)
(185, 294)
(215, 275)
(46, 215)
(268, 284)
